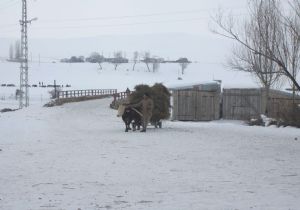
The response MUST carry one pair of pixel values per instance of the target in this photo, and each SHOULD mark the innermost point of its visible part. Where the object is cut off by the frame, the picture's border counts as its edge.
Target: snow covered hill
(85, 76)
(78, 156)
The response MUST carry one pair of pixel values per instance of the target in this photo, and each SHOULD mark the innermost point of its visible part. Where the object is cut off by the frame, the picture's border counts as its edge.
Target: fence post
(55, 89)
(115, 98)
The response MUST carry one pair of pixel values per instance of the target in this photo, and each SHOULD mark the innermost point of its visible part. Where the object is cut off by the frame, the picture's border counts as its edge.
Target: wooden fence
(244, 104)
(282, 107)
(121, 95)
(196, 105)
(118, 99)
(85, 93)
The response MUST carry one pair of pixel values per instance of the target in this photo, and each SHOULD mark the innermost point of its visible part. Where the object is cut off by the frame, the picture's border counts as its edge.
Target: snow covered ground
(89, 76)
(78, 156)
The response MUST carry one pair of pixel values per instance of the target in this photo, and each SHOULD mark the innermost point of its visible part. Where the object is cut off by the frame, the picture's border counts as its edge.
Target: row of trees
(267, 44)
(152, 62)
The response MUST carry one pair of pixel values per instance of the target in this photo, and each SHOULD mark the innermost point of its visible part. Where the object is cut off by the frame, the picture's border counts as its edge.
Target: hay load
(161, 98)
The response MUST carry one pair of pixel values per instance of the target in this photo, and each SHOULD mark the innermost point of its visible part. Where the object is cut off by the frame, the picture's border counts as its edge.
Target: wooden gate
(241, 104)
(244, 104)
(196, 105)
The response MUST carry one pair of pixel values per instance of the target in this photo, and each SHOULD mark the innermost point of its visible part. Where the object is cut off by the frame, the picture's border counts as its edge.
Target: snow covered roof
(209, 86)
(279, 93)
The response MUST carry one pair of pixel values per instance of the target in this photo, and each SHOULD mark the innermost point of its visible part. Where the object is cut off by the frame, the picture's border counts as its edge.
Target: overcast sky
(78, 18)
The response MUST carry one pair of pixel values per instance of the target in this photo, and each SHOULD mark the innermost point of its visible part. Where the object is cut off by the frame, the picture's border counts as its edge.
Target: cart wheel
(160, 124)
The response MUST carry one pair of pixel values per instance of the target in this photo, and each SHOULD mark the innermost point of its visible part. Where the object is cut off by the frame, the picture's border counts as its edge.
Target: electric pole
(24, 86)
(24, 95)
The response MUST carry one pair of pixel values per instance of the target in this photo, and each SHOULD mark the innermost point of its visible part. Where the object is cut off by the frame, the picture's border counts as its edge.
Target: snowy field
(89, 76)
(78, 156)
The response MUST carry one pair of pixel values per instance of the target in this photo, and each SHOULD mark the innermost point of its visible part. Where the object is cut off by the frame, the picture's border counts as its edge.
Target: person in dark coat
(146, 105)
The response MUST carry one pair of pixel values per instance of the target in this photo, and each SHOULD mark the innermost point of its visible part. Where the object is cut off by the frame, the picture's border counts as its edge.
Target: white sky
(78, 18)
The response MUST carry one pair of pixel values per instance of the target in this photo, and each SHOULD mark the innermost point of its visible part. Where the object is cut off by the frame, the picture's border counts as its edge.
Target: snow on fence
(85, 93)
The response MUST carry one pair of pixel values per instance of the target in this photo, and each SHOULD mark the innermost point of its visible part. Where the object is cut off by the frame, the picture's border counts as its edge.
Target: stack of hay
(161, 98)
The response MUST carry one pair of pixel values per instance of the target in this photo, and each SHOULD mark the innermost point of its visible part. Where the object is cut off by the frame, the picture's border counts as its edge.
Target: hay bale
(161, 98)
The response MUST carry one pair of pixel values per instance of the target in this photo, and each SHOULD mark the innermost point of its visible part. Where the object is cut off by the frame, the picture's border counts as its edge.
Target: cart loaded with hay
(161, 109)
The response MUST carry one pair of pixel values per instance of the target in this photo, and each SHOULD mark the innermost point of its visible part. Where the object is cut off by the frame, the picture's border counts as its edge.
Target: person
(146, 105)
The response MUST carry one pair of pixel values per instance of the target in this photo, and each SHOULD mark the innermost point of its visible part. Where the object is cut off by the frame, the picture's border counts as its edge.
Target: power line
(8, 30)
(11, 3)
(9, 25)
(4, 3)
(131, 16)
(124, 16)
(113, 25)
(122, 24)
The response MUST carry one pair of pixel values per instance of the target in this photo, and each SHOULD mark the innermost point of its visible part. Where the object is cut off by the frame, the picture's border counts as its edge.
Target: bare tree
(263, 18)
(100, 60)
(183, 62)
(155, 64)
(147, 60)
(17, 50)
(95, 58)
(295, 5)
(277, 41)
(117, 59)
(154, 61)
(292, 43)
(135, 59)
(11, 52)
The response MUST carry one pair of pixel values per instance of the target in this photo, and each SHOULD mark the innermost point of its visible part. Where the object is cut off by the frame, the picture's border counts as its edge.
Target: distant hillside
(195, 47)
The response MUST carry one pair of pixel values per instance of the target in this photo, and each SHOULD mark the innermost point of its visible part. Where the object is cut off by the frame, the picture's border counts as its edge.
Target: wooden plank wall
(241, 104)
(279, 107)
(237, 104)
(244, 104)
(196, 105)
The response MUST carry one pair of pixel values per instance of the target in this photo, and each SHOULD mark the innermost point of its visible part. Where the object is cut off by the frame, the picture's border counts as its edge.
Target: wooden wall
(196, 105)
(241, 104)
(279, 107)
(235, 104)
(244, 104)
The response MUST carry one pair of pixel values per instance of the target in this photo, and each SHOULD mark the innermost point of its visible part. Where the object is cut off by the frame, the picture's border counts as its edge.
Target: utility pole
(24, 89)
(24, 59)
